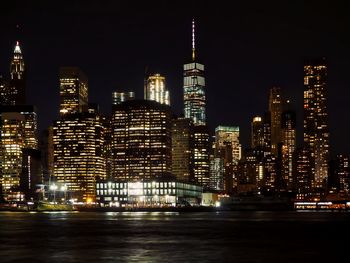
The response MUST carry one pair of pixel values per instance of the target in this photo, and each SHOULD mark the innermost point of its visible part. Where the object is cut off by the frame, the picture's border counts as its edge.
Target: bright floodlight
(53, 187)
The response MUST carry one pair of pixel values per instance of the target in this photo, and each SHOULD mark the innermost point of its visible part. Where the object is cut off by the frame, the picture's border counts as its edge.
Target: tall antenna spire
(193, 42)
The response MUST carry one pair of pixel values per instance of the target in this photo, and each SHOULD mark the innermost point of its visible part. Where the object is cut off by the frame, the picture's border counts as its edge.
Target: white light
(217, 204)
(53, 187)
(325, 203)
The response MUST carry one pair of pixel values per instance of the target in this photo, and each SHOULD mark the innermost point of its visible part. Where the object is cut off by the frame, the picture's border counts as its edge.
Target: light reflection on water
(172, 237)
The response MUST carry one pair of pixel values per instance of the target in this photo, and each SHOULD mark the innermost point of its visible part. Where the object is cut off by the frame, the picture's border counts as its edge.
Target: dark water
(173, 237)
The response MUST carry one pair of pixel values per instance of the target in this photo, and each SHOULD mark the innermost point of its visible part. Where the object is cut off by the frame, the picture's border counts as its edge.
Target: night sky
(247, 47)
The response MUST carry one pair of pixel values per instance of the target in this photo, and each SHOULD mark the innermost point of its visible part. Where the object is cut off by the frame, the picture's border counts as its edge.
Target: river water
(175, 237)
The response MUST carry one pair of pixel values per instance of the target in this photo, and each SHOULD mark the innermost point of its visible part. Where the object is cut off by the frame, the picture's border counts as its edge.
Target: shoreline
(178, 209)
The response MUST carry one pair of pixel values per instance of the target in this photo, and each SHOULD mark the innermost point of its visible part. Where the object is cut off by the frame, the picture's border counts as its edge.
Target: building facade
(12, 144)
(141, 140)
(257, 132)
(182, 149)
(155, 89)
(148, 193)
(201, 147)
(288, 139)
(78, 141)
(275, 109)
(217, 173)
(342, 170)
(18, 132)
(195, 110)
(194, 88)
(316, 130)
(302, 173)
(121, 96)
(16, 94)
(73, 90)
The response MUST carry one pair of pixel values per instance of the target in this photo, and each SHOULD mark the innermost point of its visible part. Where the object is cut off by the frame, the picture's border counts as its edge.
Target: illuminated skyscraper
(120, 96)
(32, 174)
(228, 135)
(18, 132)
(302, 173)
(342, 173)
(30, 123)
(182, 147)
(288, 138)
(78, 141)
(257, 132)
(316, 131)
(201, 155)
(194, 109)
(155, 89)
(228, 148)
(270, 181)
(250, 172)
(217, 173)
(275, 108)
(12, 144)
(194, 88)
(17, 92)
(141, 140)
(73, 90)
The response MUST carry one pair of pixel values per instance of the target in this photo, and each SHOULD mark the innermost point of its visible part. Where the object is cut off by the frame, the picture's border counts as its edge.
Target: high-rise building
(30, 123)
(228, 148)
(270, 181)
(121, 96)
(32, 174)
(225, 135)
(141, 140)
(12, 144)
(267, 133)
(261, 133)
(316, 131)
(47, 159)
(257, 132)
(194, 88)
(73, 90)
(302, 173)
(288, 139)
(155, 89)
(107, 146)
(275, 108)
(201, 155)
(217, 173)
(342, 172)
(250, 171)
(182, 147)
(78, 141)
(194, 109)
(17, 91)
(18, 132)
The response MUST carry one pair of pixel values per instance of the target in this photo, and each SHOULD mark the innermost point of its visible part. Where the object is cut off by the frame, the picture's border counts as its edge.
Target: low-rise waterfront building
(147, 193)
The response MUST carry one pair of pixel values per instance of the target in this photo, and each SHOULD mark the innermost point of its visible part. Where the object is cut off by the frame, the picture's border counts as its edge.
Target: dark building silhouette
(182, 149)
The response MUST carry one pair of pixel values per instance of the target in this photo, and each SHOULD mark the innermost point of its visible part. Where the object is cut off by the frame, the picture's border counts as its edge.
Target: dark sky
(246, 46)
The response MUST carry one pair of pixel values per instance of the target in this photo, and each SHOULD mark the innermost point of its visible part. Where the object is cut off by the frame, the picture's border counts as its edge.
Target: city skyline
(129, 75)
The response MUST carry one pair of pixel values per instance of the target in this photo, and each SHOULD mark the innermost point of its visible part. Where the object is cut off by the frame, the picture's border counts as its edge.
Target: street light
(64, 189)
(53, 187)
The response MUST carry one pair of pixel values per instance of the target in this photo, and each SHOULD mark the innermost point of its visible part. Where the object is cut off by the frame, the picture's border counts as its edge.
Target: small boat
(50, 206)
